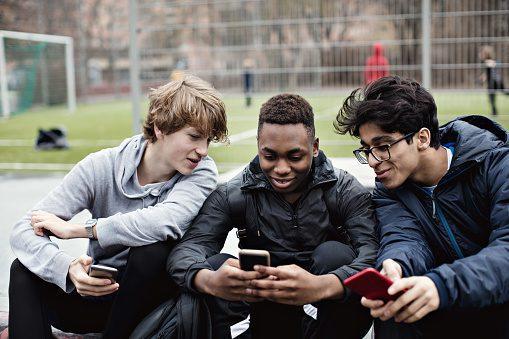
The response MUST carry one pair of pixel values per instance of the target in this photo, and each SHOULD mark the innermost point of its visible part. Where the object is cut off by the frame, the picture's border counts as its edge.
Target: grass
(94, 126)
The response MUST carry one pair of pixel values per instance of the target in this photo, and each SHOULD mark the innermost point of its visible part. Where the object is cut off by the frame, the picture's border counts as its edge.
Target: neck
(432, 167)
(152, 169)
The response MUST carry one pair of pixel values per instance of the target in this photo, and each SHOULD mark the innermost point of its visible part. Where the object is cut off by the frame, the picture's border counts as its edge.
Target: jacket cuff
(62, 261)
(191, 273)
(343, 273)
(443, 294)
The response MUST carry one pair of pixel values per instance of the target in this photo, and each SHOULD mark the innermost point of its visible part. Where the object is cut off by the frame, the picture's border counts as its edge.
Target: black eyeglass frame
(369, 151)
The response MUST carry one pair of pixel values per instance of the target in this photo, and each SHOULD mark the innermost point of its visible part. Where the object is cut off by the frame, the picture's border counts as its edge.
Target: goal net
(34, 71)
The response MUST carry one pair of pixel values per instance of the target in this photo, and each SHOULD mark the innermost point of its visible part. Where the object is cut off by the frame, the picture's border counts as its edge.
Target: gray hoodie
(128, 214)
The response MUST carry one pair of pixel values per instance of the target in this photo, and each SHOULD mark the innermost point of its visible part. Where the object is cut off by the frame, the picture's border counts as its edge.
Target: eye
(194, 136)
(269, 157)
(295, 158)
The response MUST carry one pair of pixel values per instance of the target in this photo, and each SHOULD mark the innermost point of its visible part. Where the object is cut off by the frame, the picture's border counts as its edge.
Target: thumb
(391, 270)
(85, 260)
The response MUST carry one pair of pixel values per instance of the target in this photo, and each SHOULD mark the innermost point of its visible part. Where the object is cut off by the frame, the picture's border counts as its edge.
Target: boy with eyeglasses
(442, 202)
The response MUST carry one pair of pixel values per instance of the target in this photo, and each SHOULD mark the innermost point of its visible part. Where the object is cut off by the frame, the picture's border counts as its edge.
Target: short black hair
(392, 103)
(285, 109)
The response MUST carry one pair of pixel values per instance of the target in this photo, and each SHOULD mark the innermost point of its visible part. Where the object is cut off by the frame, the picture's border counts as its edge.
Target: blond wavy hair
(188, 101)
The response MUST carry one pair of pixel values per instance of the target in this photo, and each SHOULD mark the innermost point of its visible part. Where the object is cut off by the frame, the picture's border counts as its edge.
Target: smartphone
(249, 258)
(371, 284)
(101, 271)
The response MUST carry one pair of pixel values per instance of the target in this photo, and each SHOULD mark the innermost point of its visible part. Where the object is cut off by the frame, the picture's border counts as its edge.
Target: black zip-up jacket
(459, 235)
(289, 234)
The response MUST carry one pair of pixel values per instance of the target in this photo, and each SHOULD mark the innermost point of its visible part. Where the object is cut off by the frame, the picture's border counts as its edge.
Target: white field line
(234, 139)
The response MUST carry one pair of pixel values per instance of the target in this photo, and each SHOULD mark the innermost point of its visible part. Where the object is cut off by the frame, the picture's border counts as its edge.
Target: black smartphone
(101, 271)
(249, 258)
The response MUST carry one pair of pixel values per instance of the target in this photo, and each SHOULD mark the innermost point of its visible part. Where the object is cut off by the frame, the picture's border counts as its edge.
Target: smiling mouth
(281, 182)
(194, 160)
(382, 174)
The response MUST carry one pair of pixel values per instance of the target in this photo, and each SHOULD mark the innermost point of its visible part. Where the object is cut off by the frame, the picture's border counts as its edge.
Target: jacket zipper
(437, 212)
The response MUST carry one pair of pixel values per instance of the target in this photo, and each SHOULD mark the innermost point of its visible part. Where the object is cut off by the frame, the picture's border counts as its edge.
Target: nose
(372, 162)
(282, 168)
(203, 148)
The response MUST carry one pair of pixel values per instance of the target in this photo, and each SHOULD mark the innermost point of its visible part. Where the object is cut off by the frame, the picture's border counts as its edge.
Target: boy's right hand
(392, 270)
(86, 285)
(228, 282)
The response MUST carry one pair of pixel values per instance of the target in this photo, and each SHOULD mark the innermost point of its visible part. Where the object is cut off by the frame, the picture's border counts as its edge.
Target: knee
(218, 260)
(20, 276)
(331, 255)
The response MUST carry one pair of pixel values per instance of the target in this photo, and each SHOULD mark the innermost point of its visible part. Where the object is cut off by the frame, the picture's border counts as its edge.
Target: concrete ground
(19, 193)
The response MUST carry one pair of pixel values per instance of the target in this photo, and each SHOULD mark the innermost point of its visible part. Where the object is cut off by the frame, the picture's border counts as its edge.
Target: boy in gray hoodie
(142, 195)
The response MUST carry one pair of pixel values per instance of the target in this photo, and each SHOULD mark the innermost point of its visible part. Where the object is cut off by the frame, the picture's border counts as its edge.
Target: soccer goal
(35, 69)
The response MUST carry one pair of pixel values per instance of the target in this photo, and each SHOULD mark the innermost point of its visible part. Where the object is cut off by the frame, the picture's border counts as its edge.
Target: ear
(423, 139)
(316, 145)
(159, 134)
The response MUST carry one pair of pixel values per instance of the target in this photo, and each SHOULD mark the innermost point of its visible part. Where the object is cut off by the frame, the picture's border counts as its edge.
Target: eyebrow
(378, 139)
(293, 150)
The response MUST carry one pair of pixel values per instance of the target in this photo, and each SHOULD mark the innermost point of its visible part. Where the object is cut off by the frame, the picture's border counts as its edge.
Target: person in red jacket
(377, 65)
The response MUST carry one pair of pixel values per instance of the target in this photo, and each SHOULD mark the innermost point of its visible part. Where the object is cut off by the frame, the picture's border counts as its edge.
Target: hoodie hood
(473, 137)
(378, 49)
(130, 153)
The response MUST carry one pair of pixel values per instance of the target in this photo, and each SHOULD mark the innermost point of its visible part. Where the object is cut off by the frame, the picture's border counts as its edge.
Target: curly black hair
(392, 103)
(284, 109)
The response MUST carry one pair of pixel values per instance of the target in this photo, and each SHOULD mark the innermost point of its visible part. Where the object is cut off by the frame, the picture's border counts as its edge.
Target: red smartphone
(371, 284)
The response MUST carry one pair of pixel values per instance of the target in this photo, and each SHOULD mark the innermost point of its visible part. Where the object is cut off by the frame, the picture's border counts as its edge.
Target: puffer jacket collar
(322, 172)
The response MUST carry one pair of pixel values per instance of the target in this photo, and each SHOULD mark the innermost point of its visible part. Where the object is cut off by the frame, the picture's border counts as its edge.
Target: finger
(267, 284)
(281, 272)
(232, 262)
(98, 289)
(421, 313)
(85, 260)
(95, 293)
(274, 295)
(39, 231)
(369, 303)
(410, 310)
(237, 273)
(380, 312)
(403, 301)
(401, 285)
(389, 266)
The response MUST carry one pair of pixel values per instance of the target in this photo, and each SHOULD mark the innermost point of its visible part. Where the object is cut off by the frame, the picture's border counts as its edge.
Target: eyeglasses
(380, 153)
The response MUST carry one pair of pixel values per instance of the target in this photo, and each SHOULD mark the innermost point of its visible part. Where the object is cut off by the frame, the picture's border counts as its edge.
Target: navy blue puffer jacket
(459, 235)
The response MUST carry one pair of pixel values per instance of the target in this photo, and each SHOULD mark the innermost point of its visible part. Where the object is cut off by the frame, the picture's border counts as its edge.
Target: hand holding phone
(249, 258)
(371, 284)
(101, 271)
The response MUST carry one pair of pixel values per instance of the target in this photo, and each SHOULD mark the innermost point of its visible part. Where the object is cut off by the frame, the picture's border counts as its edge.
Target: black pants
(35, 305)
(490, 322)
(335, 318)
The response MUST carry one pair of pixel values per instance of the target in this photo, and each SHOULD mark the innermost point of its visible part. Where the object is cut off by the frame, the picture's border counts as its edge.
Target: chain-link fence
(283, 44)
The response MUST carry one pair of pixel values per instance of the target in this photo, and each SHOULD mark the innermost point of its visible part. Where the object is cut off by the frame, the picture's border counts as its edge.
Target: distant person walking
(492, 76)
(248, 80)
(377, 65)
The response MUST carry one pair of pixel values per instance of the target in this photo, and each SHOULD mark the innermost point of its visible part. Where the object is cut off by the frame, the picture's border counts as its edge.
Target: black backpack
(185, 316)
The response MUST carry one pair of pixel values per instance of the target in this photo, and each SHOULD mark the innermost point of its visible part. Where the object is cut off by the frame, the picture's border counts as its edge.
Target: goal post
(35, 45)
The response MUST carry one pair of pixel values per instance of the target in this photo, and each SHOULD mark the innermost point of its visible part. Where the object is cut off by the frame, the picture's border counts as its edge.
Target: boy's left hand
(42, 220)
(293, 285)
(421, 297)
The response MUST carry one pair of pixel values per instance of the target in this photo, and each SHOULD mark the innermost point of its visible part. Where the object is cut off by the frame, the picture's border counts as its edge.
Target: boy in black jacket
(441, 200)
(316, 221)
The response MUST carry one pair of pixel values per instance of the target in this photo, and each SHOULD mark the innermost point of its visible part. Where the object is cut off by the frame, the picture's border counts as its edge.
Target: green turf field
(96, 126)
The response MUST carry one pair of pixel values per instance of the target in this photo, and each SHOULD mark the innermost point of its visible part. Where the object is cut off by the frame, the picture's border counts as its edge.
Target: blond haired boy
(143, 196)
